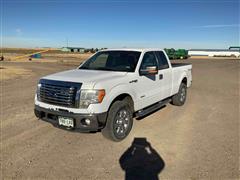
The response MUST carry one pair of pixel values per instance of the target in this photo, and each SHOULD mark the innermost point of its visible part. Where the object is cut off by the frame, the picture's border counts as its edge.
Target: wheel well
(184, 81)
(122, 97)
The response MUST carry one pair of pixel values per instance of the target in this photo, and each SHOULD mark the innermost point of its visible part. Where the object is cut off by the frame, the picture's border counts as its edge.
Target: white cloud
(218, 26)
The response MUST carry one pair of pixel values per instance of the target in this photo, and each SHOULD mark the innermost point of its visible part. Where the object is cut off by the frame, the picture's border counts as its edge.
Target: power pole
(67, 41)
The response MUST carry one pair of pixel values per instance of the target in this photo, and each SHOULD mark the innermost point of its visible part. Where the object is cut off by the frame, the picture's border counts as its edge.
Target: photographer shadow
(141, 162)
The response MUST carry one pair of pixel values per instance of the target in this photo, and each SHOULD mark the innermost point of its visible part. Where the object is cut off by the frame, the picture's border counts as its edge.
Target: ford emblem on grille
(59, 92)
(64, 93)
(50, 93)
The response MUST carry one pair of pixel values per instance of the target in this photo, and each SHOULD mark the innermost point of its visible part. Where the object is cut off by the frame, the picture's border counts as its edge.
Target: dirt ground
(196, 141)
(51, 55)
(13, 72)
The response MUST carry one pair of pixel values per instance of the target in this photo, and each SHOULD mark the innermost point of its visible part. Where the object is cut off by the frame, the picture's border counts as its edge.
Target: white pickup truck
(111, 88)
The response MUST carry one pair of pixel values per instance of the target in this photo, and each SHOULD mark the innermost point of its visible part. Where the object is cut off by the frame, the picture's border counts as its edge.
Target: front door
(147, 87)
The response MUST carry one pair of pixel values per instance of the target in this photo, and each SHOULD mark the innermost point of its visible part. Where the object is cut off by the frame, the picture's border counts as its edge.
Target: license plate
(65, 121)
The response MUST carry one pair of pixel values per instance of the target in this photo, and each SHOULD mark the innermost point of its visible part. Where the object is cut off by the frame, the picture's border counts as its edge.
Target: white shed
(214, 52)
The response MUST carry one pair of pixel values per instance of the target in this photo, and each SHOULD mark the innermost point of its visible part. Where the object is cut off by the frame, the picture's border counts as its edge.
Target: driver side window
(149, 59)
(99, 61)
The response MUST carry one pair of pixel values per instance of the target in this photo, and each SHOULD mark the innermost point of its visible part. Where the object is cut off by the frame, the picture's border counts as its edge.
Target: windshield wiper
(105, 69)
(83, 68)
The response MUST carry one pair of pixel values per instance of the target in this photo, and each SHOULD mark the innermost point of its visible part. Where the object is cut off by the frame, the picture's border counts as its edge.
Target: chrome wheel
(122, 122)
(182, 94)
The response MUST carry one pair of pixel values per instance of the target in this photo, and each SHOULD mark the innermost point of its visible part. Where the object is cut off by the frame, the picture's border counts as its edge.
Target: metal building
(73, 49)
(232, 51)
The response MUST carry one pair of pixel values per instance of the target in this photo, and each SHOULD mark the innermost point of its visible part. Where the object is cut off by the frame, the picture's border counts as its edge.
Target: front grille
(59, 93)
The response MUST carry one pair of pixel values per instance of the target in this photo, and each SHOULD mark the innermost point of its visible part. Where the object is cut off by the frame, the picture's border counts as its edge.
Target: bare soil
(53, 55)
(9, 72)
(199, 140)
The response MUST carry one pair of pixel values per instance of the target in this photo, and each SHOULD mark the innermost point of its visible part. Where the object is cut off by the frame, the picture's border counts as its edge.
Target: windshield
(125, 61)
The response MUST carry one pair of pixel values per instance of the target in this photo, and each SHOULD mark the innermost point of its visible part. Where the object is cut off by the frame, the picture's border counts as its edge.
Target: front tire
(180, 98)
(119, 121)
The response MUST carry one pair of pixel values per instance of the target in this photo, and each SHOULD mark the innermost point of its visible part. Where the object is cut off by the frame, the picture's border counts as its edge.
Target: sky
(116, 24)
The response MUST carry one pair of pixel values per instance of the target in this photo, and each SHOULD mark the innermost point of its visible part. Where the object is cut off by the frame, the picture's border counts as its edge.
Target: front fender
(111, 94)
(119, 90)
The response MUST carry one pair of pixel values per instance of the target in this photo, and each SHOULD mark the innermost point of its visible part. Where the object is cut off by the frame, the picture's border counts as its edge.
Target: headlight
(88, 97)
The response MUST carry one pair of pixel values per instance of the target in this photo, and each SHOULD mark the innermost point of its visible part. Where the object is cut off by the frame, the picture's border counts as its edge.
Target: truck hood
(84, 76)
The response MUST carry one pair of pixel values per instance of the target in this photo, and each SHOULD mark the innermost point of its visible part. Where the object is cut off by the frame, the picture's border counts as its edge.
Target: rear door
(164, 75)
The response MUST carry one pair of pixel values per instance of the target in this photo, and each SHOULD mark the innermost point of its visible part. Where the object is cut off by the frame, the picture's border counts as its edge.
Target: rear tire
(119, 121)
(180, 98)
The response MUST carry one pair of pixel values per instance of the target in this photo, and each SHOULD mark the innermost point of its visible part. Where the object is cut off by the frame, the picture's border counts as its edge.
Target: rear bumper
(97, 121)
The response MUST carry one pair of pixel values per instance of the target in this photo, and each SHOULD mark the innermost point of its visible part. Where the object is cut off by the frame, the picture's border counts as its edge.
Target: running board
(149, 109)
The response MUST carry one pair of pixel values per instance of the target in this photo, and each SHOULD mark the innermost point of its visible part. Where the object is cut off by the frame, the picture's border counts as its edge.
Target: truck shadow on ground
(141, 161)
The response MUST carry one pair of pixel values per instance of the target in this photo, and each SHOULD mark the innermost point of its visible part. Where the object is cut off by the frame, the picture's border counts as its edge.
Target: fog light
(88, 121)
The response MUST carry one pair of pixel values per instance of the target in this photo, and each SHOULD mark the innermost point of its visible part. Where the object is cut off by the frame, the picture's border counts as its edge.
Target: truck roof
(133, 49)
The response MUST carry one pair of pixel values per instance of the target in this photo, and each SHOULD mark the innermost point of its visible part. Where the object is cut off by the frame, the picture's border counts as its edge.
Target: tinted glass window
(113, 61)
(149, 59)
(100, 61)
(162, 60)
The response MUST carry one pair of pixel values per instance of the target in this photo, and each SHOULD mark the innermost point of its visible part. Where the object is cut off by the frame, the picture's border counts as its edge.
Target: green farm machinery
(176, 54)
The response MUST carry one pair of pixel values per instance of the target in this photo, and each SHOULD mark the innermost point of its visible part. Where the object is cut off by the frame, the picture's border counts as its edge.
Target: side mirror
(150, 70)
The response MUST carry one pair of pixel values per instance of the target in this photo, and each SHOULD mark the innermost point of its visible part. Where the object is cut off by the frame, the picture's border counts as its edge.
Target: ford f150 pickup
(110, 89)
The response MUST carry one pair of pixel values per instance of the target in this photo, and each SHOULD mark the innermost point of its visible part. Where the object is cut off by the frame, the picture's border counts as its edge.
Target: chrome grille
(59, 93)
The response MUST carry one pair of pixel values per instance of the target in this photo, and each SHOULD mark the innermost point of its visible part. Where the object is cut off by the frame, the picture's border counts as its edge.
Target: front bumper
(97, 121)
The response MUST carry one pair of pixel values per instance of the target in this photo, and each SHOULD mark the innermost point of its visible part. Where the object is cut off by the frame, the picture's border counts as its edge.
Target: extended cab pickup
(111, 88)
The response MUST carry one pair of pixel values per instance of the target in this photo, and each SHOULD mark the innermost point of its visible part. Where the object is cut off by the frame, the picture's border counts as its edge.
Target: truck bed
(179, 69)
(179, 64)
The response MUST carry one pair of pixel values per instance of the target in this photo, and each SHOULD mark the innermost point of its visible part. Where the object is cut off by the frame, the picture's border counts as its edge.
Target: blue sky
(141, 24)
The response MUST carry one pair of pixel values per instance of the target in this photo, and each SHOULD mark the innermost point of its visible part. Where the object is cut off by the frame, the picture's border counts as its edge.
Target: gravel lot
(195, 141)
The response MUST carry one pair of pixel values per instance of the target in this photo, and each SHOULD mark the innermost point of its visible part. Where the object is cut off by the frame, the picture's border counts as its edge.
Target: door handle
(133, 81)
(160, 76)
